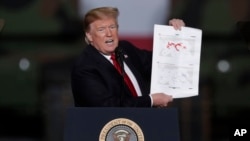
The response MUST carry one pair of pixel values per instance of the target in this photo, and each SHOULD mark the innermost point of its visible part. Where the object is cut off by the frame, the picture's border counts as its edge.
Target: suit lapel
(129, 61)
(103, 64)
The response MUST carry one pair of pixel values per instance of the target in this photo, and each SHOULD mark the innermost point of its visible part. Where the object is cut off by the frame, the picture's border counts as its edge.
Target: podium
(121, 124)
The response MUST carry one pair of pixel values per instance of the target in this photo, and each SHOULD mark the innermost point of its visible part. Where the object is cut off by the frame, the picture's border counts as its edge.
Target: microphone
(119, 55)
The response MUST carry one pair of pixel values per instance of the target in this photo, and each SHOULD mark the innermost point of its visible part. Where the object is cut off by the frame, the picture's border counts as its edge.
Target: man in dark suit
(95, 80)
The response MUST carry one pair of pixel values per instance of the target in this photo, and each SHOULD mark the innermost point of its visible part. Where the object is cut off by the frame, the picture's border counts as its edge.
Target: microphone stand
(120, 58)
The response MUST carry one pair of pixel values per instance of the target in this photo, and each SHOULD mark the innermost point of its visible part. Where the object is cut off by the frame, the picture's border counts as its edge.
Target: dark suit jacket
(96, 83)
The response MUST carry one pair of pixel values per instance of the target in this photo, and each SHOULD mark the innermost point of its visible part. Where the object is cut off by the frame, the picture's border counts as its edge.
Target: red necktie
(126, 78)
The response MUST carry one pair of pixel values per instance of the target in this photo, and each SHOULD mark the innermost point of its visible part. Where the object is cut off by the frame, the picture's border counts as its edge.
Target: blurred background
(39, 40)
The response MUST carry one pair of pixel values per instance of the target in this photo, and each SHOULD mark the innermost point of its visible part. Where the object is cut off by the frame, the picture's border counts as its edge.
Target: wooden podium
(121, 124)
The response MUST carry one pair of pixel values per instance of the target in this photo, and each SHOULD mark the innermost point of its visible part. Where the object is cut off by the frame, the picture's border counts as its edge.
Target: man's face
(103, 35)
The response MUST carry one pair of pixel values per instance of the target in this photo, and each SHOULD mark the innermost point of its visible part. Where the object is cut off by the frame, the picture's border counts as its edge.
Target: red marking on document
(177, 46)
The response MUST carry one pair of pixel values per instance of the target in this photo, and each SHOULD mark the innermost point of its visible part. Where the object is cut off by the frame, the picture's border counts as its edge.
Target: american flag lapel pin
(125, 56)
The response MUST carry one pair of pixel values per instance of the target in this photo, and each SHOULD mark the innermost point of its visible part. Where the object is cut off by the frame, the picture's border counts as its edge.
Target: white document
(176, 61)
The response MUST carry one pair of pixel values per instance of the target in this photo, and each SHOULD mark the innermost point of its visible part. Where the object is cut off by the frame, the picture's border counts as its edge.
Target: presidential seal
(121, 129)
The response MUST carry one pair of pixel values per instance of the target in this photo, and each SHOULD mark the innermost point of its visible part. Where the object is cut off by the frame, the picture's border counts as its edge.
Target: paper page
(176, 61)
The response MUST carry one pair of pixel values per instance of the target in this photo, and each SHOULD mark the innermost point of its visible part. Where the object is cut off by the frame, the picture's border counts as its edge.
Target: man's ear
(88, 36)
